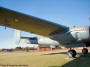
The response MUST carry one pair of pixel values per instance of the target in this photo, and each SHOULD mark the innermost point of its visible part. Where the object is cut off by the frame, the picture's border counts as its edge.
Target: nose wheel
(84, 51)
(72, 53)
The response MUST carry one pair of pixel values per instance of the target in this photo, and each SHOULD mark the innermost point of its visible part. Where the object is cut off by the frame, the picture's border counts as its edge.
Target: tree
(18, 48)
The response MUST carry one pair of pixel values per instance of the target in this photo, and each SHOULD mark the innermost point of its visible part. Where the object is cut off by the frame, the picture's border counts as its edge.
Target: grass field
(43, 59)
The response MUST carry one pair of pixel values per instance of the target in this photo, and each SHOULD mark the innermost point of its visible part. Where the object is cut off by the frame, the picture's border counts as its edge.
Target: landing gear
(72, 53)
(84, 51)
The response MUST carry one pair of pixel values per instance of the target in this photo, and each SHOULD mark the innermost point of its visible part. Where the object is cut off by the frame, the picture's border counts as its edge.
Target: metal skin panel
(47, 41)
(41, 41)
(56, 32)
(28, 23)
(75, 37)
(79, 34)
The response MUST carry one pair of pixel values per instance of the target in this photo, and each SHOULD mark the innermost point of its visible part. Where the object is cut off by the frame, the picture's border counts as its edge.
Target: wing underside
(28, 23)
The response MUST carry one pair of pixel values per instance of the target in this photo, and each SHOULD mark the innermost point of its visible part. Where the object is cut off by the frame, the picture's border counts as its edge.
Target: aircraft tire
(85, 51)
(72, 53)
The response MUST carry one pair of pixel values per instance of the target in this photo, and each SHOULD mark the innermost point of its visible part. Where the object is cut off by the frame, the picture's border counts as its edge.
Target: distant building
(44, 48)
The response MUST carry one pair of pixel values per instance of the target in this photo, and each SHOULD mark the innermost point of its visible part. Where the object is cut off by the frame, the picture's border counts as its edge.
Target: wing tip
(3, 8)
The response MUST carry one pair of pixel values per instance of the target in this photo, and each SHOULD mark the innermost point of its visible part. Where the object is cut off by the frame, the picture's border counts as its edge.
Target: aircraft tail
(17, 37)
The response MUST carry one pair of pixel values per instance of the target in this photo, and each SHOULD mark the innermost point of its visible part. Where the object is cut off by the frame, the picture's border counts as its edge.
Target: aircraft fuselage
(77, 34)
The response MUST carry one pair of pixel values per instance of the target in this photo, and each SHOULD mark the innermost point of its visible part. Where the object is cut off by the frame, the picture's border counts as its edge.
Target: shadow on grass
(56, 53)
(82, 61)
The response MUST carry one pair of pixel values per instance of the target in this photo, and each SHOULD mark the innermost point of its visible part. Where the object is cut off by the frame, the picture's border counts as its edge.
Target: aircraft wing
(27, 23)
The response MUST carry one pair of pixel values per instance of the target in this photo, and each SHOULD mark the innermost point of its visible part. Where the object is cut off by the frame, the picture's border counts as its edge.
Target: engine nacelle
(41, 41)
(47, 41)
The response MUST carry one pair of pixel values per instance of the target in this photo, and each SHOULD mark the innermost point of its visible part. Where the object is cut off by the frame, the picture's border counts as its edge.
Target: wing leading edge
(28, 23)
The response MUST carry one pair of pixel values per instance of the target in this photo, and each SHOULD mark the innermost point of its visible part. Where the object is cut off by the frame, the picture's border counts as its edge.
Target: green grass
(44, 59)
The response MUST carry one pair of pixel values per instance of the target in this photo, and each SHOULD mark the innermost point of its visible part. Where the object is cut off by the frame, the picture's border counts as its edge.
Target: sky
(65, 12)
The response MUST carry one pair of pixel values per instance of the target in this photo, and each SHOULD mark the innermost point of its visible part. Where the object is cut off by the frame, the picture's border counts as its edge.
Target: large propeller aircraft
(65, 36)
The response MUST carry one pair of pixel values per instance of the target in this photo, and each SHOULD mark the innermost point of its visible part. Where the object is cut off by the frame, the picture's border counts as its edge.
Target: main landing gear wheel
(84, 51)
(72, 53)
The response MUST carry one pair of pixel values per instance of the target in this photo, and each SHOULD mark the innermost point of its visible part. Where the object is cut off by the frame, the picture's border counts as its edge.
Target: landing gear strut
(72, 53)
(84, 51)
